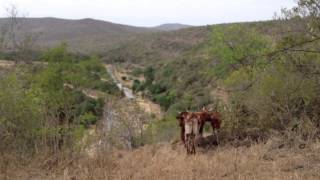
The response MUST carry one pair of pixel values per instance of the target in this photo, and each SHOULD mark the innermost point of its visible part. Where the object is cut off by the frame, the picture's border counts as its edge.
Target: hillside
(85, 35)
(183, 60)
(82, 35)
(149, 49)
(157, 47)
(245, 97)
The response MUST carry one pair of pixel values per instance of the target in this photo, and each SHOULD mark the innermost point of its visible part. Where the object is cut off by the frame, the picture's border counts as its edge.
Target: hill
(183, 60)
(86, 35)
(171, 27)
(82, 35)
(157, 47)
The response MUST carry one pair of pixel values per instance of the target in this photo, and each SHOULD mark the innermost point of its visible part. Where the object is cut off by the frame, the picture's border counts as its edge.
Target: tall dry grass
(276, 158)
(272, 160)
(261, 161)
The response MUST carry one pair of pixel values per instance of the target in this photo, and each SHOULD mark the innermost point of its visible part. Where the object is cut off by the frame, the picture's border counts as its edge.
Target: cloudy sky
(152, 12)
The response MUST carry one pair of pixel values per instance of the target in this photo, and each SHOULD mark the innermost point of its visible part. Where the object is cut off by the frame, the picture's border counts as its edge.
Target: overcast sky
(152, 12)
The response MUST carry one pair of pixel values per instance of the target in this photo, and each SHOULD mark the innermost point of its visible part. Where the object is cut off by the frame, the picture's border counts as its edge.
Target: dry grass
(6, 64)
(167, 161)
(256, 162)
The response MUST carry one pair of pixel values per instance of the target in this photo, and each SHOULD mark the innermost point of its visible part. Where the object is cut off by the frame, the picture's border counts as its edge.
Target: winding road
(127, 92)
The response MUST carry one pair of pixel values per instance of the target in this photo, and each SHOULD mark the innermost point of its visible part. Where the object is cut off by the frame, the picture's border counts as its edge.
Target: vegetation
(262, 78)
(270, 80)
(43, 106)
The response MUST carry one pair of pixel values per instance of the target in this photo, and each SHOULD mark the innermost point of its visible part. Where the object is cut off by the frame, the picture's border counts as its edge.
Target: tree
(15, 39)
(279, 87)
(237, 46)
(124, 124)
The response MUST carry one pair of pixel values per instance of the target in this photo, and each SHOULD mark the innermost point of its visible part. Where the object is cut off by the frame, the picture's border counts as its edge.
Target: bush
(165, 100)
(157, 88)
(161, 131)
(137, 72)
(149, 75)
(137, 86)
(88, 119)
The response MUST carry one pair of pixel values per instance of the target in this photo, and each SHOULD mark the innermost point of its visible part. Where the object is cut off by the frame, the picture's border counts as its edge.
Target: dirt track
(145, 104)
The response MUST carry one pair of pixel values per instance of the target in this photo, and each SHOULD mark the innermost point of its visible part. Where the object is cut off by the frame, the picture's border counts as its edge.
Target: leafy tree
(237, 46)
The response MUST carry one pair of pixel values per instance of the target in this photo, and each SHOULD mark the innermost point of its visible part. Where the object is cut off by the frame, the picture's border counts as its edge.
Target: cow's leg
(182, 135)
(188, 144)
(201, 128)
(213, 127)
(214, 133)
(195, 133)
(193, 144)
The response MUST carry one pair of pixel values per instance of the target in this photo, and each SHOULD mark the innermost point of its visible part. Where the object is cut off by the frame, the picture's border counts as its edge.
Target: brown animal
(181, 120)
(191, 127)
(208, 116)
(202, 117)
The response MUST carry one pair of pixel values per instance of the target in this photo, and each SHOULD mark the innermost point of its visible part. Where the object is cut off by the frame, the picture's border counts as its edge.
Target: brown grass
(256, 162)
(167, 161)
(6, 64)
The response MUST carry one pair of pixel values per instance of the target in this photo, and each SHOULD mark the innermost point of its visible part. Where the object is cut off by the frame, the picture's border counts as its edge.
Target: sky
(152, 12)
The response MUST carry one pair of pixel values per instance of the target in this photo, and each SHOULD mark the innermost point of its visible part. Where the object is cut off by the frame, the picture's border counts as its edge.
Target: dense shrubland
(42, 105)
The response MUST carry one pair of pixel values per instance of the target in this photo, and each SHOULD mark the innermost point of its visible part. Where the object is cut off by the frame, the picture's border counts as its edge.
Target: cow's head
(181, 116)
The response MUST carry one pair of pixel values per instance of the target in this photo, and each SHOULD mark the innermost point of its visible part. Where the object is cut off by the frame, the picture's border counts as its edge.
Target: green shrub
(88, 119)
(165, 100)
(137, 72)
(137, 86)
(157, 88)
(162, 131)
(149, 75)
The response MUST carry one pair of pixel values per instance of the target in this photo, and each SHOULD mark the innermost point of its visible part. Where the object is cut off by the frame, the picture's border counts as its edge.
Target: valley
(92, 99)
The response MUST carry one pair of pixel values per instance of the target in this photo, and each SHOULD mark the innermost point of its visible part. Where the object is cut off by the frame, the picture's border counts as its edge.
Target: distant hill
(171, 27)
(157, 47)
(81, 35)
(86, 35)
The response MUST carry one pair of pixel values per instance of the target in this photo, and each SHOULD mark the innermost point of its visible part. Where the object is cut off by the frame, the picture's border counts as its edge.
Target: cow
(181, 121)
(208, 116)
(191, 127)
(201, 117)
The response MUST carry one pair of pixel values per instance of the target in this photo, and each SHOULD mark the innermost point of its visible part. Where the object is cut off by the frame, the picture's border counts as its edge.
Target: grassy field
(272, 160)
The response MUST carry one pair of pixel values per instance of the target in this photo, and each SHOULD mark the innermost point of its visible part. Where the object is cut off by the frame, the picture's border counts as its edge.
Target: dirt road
(145, 104)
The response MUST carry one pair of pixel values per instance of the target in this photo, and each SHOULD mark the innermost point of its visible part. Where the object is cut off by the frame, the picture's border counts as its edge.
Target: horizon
(143, 13)
(169, 23)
